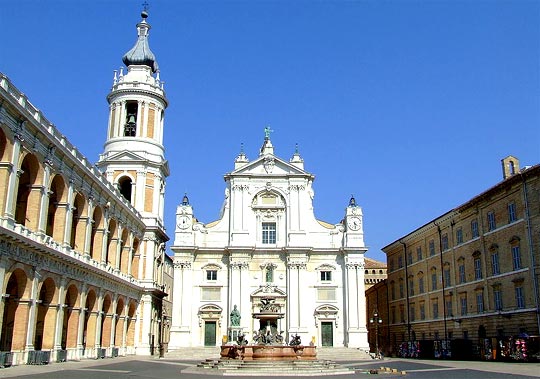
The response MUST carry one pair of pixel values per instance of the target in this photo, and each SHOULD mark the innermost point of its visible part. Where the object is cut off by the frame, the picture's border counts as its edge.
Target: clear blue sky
(408, 105)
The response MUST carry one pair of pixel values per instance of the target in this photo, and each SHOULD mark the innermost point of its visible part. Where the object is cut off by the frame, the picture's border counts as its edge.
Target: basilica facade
(268, 266)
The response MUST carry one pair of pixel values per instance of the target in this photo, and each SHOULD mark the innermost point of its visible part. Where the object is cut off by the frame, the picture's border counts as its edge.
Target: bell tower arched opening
(124, 185)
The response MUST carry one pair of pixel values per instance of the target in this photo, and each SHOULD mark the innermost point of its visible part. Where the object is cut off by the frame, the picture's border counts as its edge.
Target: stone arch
(70, 323)
(119, 320)
(56, 211)
(97, 234)
(112, 241)
(15, 316)
(78, 224)
(6, 148)
(130, 328)
(28, 201)
(106, 316)
(135, 258)
(125, 185)
(123, 250)
(90, 319)
(45, 319)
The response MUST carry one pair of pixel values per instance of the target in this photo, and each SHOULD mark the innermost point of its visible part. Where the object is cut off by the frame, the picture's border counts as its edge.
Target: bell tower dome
(133, 157)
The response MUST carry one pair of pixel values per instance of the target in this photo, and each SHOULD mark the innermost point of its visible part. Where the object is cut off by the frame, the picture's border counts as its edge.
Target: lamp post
(376, 319)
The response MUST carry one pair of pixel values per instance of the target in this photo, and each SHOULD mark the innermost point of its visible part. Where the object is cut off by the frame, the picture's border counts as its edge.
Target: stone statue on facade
(235, 317)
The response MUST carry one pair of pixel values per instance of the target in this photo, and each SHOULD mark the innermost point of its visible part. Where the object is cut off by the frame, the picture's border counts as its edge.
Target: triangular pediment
(267, 165)
(125, 155)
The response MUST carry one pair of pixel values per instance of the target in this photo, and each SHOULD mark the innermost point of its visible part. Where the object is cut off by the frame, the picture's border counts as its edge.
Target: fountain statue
(267, 343)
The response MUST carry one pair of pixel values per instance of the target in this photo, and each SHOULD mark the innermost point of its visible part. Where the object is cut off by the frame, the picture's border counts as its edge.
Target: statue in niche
(269, 274)
(235, 317)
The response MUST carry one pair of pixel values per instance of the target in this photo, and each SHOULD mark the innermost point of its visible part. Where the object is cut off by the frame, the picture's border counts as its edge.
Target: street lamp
(376, 319)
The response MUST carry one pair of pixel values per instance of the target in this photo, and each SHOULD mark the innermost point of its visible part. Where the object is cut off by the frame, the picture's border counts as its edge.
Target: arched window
(124, 185)
(27, 179)
(130, 127)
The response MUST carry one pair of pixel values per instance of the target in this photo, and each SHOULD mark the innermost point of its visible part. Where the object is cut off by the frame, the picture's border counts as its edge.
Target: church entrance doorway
(209, 333)
(327, 333)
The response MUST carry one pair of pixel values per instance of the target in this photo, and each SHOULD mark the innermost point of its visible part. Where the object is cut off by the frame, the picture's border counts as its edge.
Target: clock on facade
(354, 223)
(183, 222)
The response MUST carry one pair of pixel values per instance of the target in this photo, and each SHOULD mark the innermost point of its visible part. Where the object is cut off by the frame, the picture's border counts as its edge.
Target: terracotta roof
(372, 263)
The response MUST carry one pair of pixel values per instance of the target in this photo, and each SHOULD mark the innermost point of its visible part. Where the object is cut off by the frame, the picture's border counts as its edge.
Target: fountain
(268, 344)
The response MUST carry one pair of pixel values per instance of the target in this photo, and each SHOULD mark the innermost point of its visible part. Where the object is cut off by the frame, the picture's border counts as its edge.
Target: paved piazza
(150, 368)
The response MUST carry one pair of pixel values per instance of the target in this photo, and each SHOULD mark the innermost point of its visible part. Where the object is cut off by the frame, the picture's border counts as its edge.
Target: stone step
(323, 353)
(194, 353)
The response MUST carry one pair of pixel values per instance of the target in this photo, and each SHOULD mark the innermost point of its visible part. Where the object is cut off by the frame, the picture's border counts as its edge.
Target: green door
(210, 333)
(327, 334)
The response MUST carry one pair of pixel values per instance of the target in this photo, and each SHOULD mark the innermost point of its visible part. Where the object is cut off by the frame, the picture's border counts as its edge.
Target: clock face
(354, 223)
(183, 222)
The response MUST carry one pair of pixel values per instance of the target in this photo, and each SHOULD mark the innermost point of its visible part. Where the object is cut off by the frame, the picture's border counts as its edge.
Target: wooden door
(210, 333)
(327, 333)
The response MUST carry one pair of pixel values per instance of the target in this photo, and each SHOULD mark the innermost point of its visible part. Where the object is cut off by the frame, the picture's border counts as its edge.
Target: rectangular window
(497, 297)
(421, 284)
(419, 253)
(480, 302)
(391, 265)
(422, 311)
(401, 292)
(477, 269)
(447, 278)
(211, 274)
(325, 294)
(516, 257)
(393, 291)
(402, 314)
(326, 276)
(492, 225)
(211, 294)
(409, 258)
(444, 242)
(495, 263)
(433, 281)
(461, 269)
(459, 236)
(393, 314)
(431, 248)
(269, 232)
(449, 311)
(511, 213)
(412, 312)
(400, 261)
(411, 287)
(463, 304)
(435, 309)
(520, 300)
(474, 228)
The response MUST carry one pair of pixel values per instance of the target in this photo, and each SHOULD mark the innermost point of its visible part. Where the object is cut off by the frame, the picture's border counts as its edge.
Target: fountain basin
(268, 352)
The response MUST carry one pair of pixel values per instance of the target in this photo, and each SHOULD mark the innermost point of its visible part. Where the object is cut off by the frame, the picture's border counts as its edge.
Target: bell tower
(134, 161)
